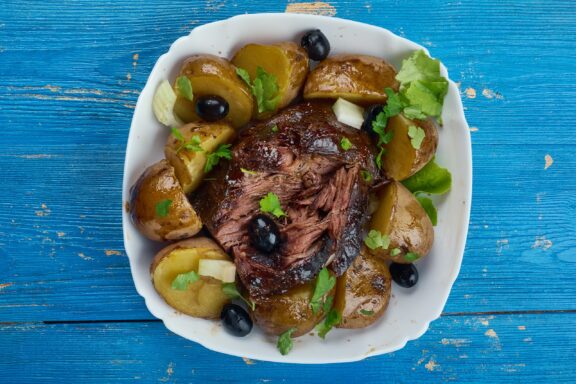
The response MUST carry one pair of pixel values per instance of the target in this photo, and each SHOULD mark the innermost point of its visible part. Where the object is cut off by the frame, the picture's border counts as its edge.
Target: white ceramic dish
(410, 311)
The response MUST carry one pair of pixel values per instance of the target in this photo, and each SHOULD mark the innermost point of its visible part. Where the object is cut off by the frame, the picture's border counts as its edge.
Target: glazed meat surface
(323, 189)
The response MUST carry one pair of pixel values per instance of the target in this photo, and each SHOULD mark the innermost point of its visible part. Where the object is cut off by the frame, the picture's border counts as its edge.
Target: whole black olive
(370, 116)
(405, 275)
(264, 234)
(211, 108)
(316, 44)
(236, 320)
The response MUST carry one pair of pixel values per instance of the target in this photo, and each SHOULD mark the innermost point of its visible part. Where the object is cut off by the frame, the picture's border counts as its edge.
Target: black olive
(264, 234)
(370, 116)
(405, 275)
(212, 108)
(236, 320)
(316, 44)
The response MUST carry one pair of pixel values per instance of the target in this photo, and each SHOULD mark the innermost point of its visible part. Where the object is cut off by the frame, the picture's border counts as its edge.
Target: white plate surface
(411, 310)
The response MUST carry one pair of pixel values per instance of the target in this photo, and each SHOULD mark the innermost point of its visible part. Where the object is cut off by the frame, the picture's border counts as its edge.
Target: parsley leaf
(223, 151)
(429, 208)
(328, 304)
(264, 88)
(274, 128)
(394, 103)
(379, 157)
(422, 86)
(184, 87)
(376, 239)
(333, 318)
(271, 204)
(367, 176)
(430, 179)
(395, 252)
(324, 284)
(345, 144)
(163, 207)
(285, 344)
(417, 135)
(178, 135)
(192, 145)
(366, 312)
(182, 281)
(411, 256)
(248, 172)
(232, 292)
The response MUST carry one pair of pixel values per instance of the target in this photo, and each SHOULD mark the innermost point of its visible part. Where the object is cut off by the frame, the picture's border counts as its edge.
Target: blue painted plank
(495, 349)
(65, 260)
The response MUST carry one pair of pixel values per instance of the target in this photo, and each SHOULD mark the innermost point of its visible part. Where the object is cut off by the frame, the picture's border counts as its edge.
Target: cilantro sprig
(271, 204)
(376, 239)
(345, 144)
(191, 145)
(285, 343)
(163, 207)
(416, 135)
(324, 284)
(264, 88)
(182, 281)
(332, 319)
(222, 152)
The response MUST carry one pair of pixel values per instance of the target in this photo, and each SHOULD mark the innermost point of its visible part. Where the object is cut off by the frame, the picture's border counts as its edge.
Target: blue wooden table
(70, 74)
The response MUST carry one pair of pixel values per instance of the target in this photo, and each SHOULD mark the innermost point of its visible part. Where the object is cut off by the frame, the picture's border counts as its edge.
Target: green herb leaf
(417, 135)
(366, 312)
(184, 87)
(411, 256)
(328, 304)
(333, 318)
(248, 172)
(394, 103)
(176, 133)
(379, 157)
(222, 152)
(429, 208)
(324, 284)
(271, 204)
(182, 281)
(194, 144)
(232, 292)
(274, 128)
(345, 144)
(163, 207)
(422, 97)
(285, 344)
(367, 176)
(419, 66)
(376, 239)
(395, 252)
(265, 89)
(414, 112)
(244, 75)
(430, 179)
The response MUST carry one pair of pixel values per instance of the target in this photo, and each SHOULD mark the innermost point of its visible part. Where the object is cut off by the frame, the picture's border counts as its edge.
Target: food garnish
(232, 292)
(324, 284)
(271, 204)
(285, 344)
(332, 319)
(264, 88)
(223, 151)
(184, 87)
(162, 207)
(182, 281)
(376, 239)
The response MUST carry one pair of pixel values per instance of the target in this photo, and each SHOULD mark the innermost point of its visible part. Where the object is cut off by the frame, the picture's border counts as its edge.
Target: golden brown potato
(212, 75)
(203, 298)
(359, 79)
(286, 60)
(402, 218)
(158, 206)
(188, 164)
(278, 313)
(401, 160)
(363, 291)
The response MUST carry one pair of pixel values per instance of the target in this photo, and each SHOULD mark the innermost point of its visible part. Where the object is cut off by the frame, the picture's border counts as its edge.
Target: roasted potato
(203, 298)
(158, 206)
(188, 164)
(287, 61)
(402, 218)
(359, 79)
(401, 160)
(363, 291)
(212, 75)
(278, 313)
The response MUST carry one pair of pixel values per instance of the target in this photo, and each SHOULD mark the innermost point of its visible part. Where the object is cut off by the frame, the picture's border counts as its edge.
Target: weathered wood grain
(495, 349)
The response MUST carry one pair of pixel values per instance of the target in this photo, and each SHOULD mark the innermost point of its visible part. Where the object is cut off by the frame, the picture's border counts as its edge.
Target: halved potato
(359, 79)
(203, 298)
(402, 218)
(189, 165)
(363, 291)
(158, 206)
(287, 61)
(212, 75)
(278, 313)
(401, 160)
